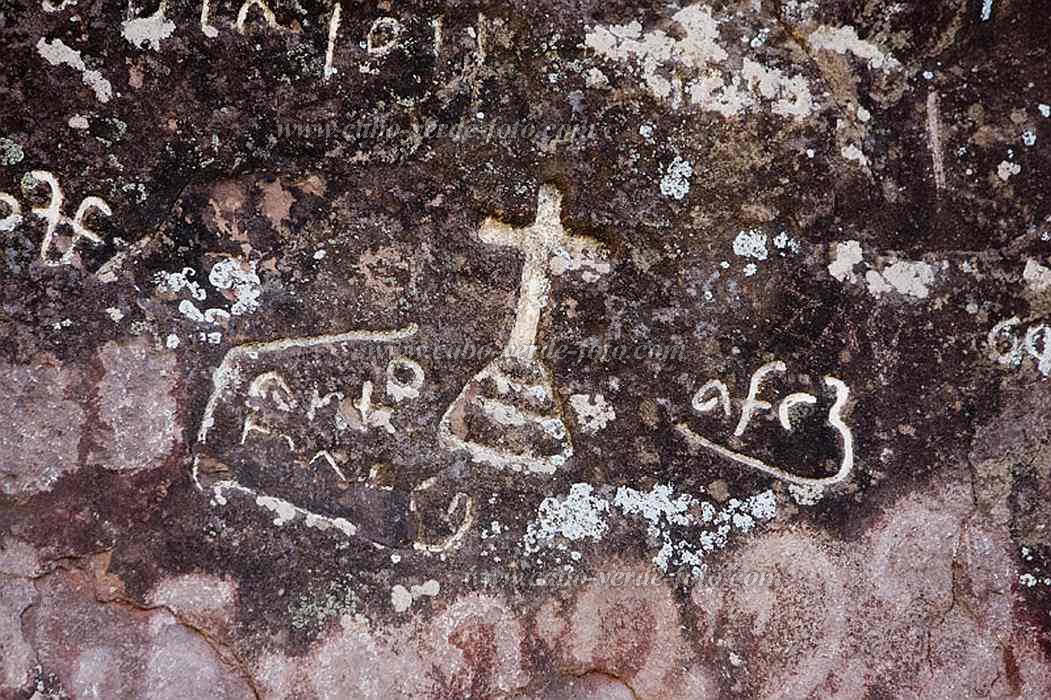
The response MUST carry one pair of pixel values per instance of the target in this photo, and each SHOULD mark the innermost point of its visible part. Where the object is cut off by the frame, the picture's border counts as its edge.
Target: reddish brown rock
(45, 418)
(114, 649)
(137, 416)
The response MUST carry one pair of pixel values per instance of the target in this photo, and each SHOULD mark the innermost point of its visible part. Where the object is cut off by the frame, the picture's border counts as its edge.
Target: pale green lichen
(314, 608)
(10, 152)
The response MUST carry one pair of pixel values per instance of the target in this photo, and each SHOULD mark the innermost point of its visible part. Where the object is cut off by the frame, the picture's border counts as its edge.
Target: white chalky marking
(149, 30)
(57, 54)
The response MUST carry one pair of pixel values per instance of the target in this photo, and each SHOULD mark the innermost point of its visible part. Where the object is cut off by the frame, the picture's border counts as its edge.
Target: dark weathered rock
(538, 351)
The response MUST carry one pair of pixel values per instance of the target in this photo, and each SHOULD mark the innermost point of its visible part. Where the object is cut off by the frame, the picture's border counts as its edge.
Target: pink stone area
(137, 407)
(43, 424)
(118, 650)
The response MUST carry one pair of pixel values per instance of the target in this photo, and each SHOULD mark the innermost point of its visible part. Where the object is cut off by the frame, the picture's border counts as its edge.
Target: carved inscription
(714, 397)
(55, 248)
(314, 429)
(508, 416)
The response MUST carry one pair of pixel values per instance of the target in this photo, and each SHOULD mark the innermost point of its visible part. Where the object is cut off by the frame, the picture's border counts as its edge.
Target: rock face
(537, 350)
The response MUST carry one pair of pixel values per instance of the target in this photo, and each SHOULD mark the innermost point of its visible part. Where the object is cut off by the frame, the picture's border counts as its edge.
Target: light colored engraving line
(389, 24)
(251, 425)
(835, 420)
(722, 399)
(287, 511)
(436, 25)
(14, 216)
(1042, 357)
(52, 213)
(207, 29)
(226, 375)
(547, 249)
(480, 33)
(506, 414)
(455, 540)
(373, 416)
(789, 403)
(400, 391)
(317, 401)
(545, 239)
(752, 403)
(373, 480)
(495, 456)
(242, 14)
(987, 10)
(934, 133)
(265, 386)
(324, 454)
(333, 31)
(485, 454)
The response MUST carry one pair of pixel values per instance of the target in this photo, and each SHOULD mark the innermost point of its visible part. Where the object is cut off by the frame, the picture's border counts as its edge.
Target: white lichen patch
(711, 82)
(655, 506)
(148, 30)
(676, 180)
(845, 40)
(240, 278)
(57, 53)
(751, 244)
(578, 516)
(1007, 169)
(315, 608)
(671, 519)
(664, 515)
(844, 257)
(593, 412)
(402, 598)
(1036, 276)
(175, 282)
(233, 277)
(854, 154)
(683, 527)
(785, 243)
(904, 276)
(10, 152)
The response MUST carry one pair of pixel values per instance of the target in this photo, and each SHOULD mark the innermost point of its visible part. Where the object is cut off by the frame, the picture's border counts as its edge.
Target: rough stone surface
(43, 447)
(526, 350)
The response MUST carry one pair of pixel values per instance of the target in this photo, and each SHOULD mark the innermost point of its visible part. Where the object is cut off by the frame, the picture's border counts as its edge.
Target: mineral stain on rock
(437, 350)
